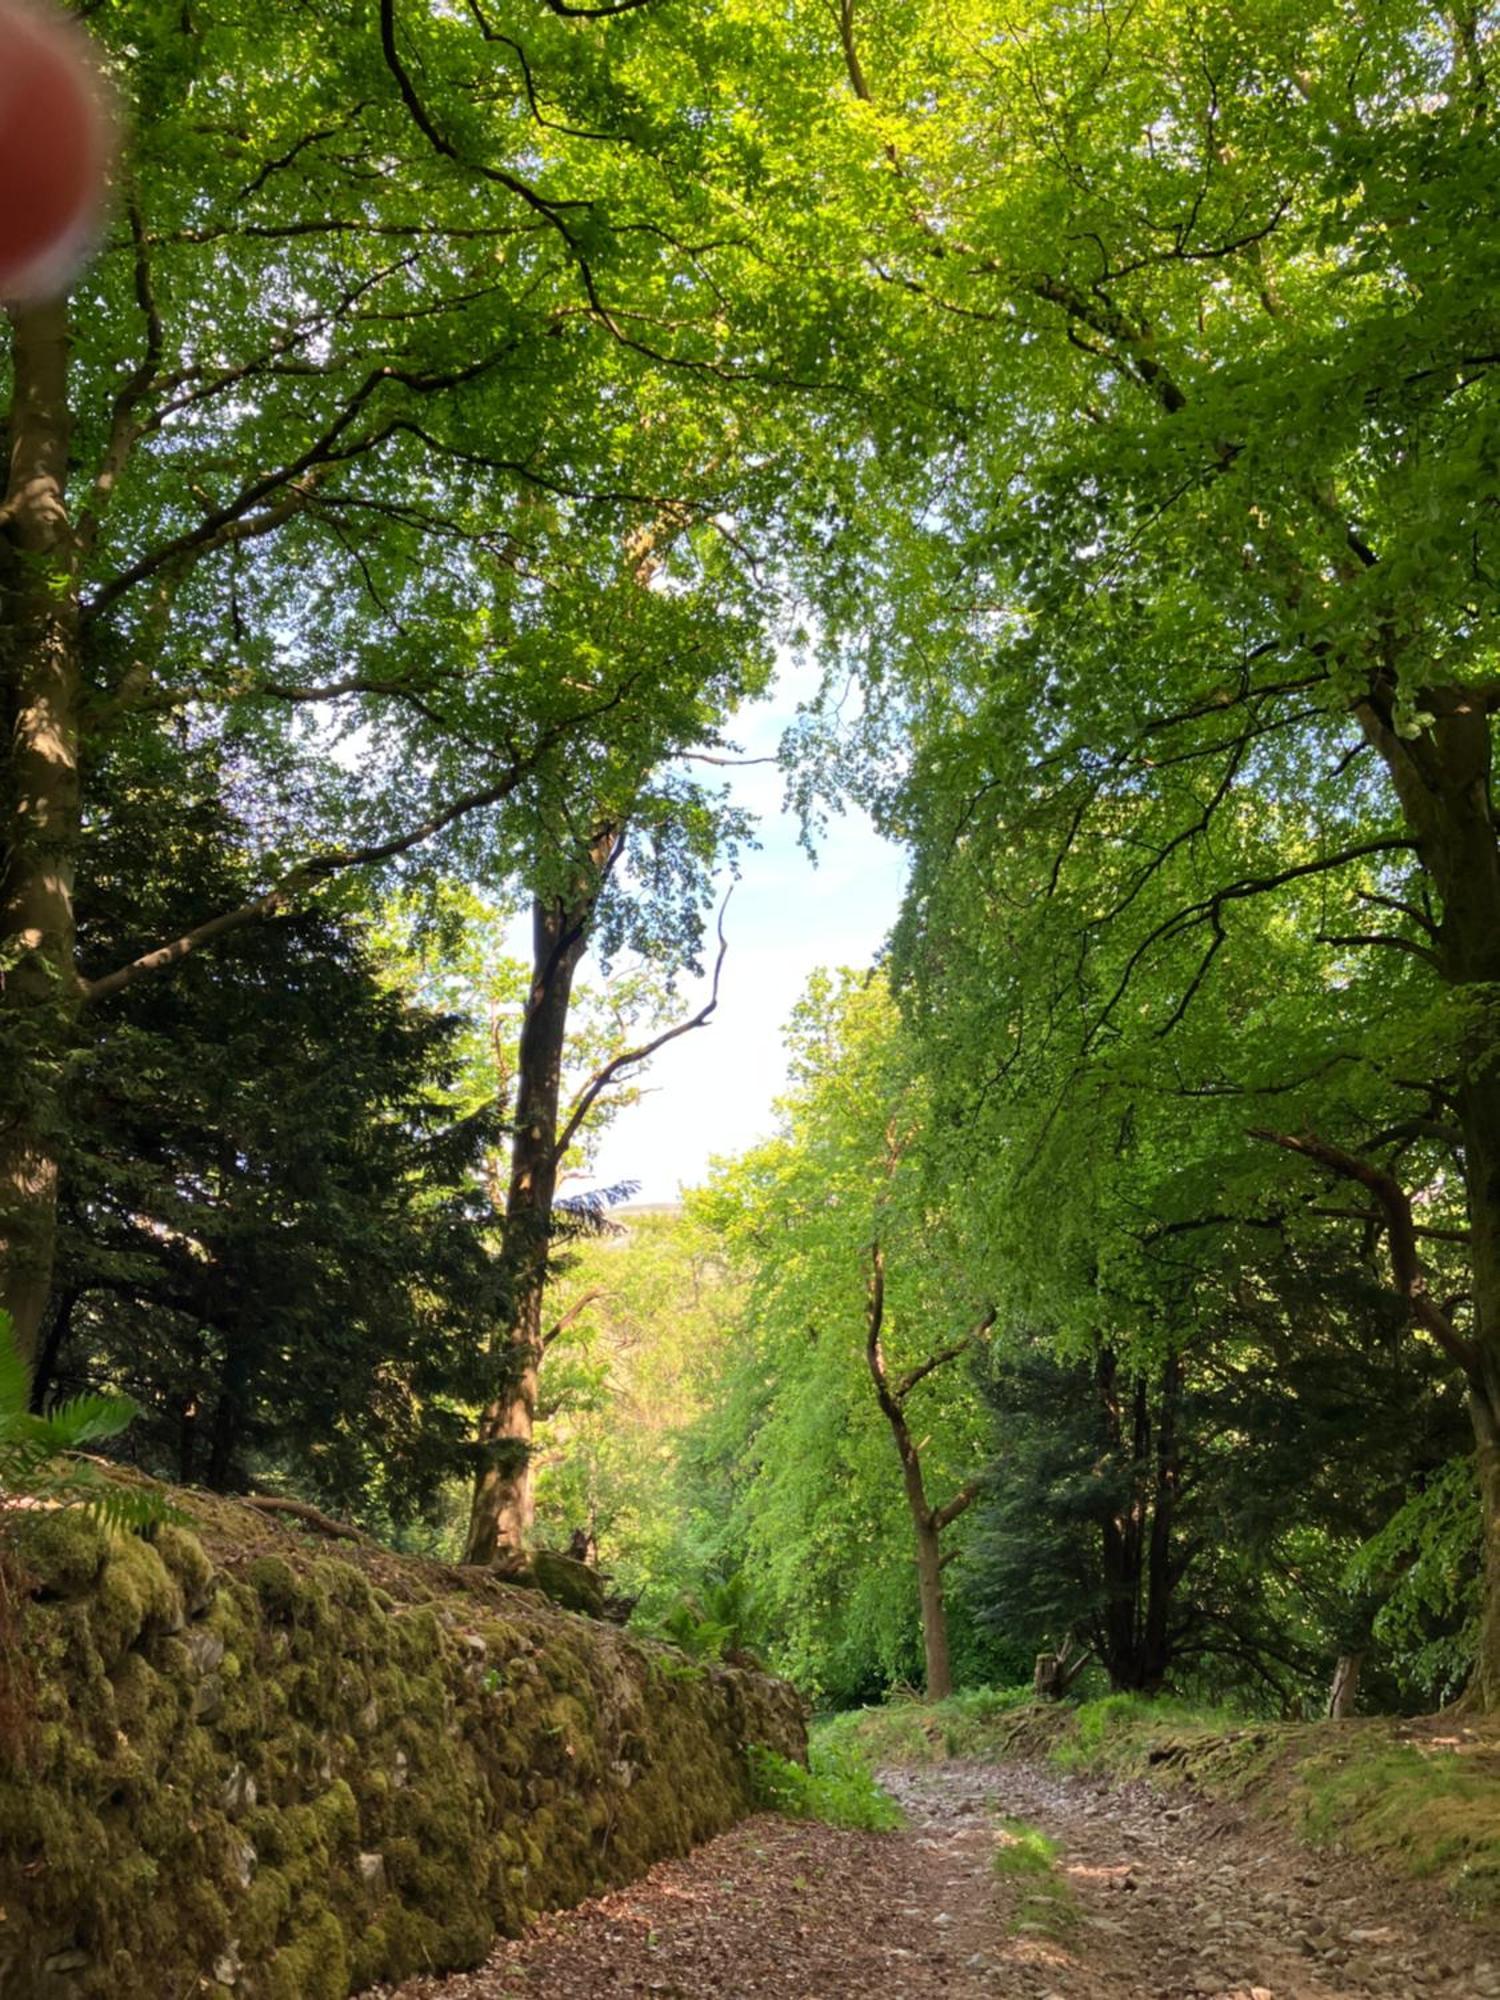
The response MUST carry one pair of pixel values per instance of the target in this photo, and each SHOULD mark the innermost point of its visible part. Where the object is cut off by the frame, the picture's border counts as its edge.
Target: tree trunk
(1479, 1113)
(928, 1522)
(58, 1324)
(1443, 780)
(503, 1506)
(1345, 1690)
(40, 687)
(232, 1411)
(934, 1616)
(1049, 1677)
(1120, 1538)
(1161, 1570)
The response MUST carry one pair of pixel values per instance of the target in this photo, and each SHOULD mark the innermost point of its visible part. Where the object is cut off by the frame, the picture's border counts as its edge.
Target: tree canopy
(462, 416)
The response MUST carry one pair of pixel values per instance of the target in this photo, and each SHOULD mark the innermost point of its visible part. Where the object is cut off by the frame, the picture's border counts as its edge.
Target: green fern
(717, 1623)
(35, 1465)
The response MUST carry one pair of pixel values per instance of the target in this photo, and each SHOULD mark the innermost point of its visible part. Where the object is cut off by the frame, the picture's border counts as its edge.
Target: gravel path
(1170, 1900)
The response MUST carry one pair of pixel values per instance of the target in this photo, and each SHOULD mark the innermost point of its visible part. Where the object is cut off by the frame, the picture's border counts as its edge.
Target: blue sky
(711, 1092)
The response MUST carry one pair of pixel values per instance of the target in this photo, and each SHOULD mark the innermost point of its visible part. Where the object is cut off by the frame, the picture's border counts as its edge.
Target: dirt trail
(1166, 1899)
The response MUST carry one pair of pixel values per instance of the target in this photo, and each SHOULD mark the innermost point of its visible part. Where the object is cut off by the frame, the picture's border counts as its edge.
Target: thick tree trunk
(1479, 1113)
(504, 1503)
(1484, 1410)
(503, 1506)
(1443, 780)
(40, 687)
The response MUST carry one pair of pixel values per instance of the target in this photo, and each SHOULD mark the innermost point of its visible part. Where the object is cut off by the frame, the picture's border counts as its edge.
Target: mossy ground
(267, 1766)
(1420, 1797)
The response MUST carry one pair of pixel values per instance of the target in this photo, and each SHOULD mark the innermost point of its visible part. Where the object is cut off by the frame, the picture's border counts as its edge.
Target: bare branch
(961, 1502)
(312, 1517)
(574, 1313)
(602, 1078)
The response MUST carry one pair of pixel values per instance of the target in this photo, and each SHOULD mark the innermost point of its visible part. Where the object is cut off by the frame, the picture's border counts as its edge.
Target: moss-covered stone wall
(253, 1765)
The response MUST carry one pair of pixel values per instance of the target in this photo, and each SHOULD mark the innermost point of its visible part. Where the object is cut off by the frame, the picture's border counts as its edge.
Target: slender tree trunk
(57, 1326)
(40, 687)
(1345, 1690)
(939, 1670)
(232, 1410)
(503, 1506)
(1161, 1574)
(1443, 780)
(928, 1522)
(1120, 1532)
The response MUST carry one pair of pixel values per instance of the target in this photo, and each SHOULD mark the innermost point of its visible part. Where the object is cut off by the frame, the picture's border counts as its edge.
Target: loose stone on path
(1165, 1899)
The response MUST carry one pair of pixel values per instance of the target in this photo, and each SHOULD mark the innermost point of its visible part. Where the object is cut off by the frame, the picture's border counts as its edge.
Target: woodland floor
(1152, 1898)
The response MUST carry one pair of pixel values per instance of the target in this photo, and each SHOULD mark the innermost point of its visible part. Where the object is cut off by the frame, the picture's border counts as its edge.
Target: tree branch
(1395, 1205)
(312, 1517)
(319, 866)
(602, 1078)
(574, 1313)
(925, 1368)
(1208, 909)
(1358, 938)
(961, 1502)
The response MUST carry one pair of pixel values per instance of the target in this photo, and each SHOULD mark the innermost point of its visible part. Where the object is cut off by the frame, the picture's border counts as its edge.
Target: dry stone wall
(242, 1763)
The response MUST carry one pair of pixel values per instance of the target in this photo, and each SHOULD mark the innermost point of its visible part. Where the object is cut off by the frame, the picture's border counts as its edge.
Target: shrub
(836, 1786)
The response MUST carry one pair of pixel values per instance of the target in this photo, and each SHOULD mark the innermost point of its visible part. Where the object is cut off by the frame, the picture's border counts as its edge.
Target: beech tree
(1203, 582)
(859, 1318)
(406, 322)
(544, 1129)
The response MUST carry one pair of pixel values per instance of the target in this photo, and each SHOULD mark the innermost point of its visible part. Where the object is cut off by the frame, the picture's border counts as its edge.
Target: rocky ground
(1152, 1897)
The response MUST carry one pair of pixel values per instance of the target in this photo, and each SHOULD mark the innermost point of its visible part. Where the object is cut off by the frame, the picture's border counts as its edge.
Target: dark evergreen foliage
(1190, 1517)
(272, 1227)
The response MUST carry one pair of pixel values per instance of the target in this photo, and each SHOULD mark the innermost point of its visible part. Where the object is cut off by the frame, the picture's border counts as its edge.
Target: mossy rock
(255, 1767)
(568, 1582)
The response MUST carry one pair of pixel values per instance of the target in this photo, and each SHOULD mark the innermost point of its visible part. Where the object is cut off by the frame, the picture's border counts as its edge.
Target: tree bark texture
(40, 690)
(1345, 1689)
(503, 1505)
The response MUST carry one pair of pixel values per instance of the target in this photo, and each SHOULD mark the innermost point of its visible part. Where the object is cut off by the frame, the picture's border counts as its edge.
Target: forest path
(1150, 1898)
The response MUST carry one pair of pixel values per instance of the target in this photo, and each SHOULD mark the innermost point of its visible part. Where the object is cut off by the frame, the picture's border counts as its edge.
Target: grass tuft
(1027, 1858)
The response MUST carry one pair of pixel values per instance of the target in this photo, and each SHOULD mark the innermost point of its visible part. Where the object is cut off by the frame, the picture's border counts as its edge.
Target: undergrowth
(1419, 1798)
(1045, 1904)
(908, 1731)
(835, 1786)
